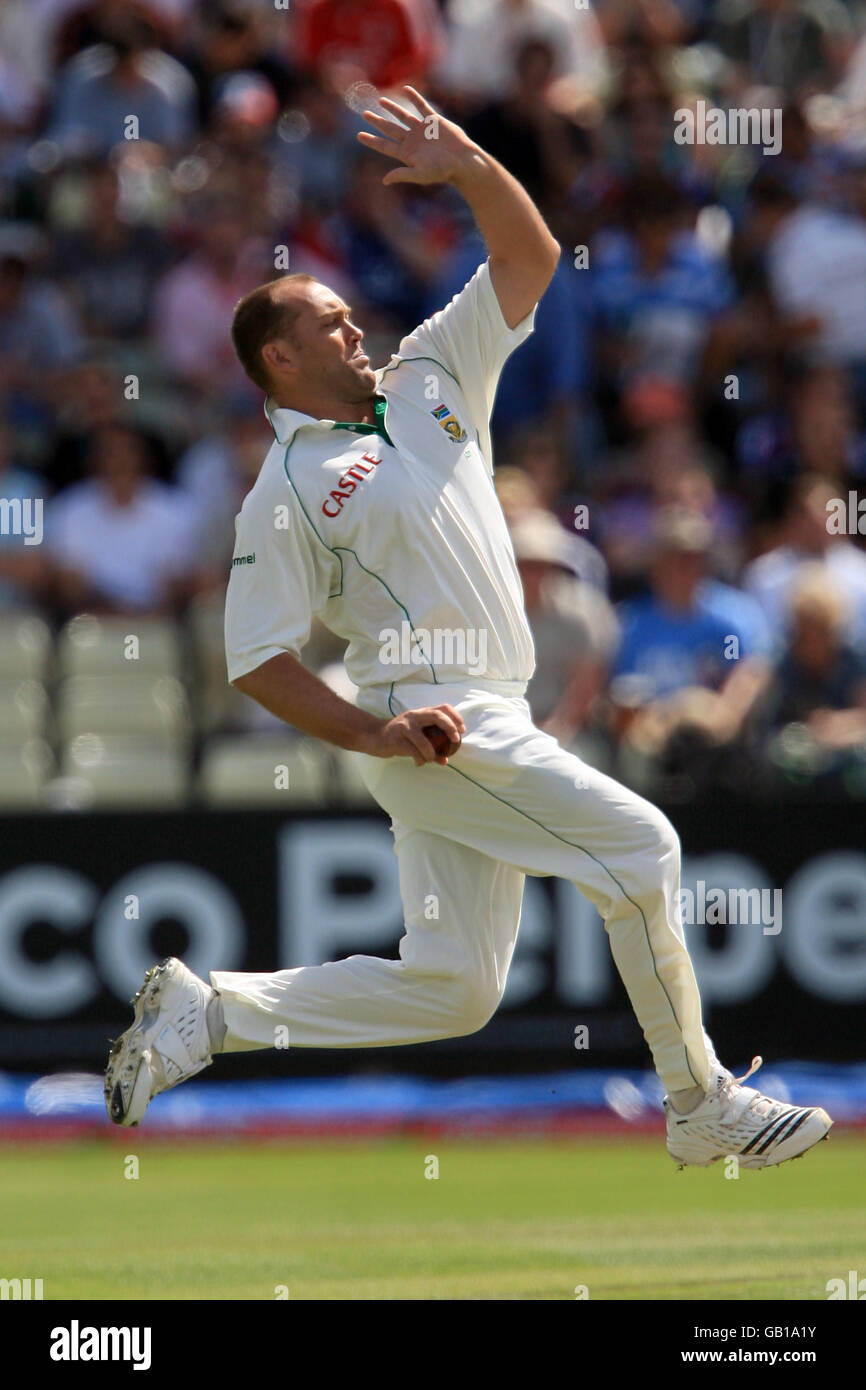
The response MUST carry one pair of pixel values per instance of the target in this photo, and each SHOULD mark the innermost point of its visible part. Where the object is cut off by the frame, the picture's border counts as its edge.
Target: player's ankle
(684, 1102)
(216, 1025)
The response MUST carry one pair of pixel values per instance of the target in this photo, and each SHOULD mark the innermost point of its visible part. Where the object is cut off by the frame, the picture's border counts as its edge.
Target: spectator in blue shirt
(40, 339)
(128, 75)
(386, 243)
(655, 290)
(693, 651)
(546, 381)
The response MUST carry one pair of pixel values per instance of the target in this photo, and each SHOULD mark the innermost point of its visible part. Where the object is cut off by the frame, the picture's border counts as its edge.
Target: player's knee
(476, 999)
(669, 840)
(664, 842)
(466, 994)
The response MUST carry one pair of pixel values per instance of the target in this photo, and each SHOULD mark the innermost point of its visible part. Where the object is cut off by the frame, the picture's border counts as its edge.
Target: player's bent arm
(523, 254)
(287, 689)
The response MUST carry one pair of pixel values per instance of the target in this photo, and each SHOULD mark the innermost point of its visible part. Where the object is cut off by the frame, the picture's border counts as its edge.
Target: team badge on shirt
(450, 424)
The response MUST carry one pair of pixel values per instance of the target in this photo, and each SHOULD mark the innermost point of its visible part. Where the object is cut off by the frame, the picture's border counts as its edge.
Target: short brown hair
(260, 317)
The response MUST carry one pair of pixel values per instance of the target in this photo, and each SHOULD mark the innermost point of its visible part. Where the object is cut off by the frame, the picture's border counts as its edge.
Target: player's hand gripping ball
(445, 747)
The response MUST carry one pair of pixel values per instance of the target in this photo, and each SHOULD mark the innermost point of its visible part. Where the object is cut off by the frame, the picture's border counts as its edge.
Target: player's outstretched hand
(429, 148)
(405, 736)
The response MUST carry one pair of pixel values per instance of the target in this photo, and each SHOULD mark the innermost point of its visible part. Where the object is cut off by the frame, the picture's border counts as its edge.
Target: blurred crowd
(672, 443)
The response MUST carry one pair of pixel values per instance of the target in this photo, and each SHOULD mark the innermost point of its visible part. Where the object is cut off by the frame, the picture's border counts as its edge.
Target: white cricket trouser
(511, 802)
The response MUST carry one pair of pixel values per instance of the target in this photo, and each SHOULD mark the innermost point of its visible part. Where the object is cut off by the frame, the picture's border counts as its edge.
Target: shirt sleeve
(473, 342)
(281, 577)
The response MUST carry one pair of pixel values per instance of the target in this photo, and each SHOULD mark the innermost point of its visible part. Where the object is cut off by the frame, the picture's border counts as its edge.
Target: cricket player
(375, 510)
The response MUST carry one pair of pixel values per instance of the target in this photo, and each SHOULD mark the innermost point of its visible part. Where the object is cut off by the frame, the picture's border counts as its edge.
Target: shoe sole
(817, 1129)
(133, 1045)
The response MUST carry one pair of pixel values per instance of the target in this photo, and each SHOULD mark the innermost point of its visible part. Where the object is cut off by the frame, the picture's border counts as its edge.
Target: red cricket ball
(444, 746)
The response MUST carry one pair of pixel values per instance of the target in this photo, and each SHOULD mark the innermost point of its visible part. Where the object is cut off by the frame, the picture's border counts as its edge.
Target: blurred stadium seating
(699, 357)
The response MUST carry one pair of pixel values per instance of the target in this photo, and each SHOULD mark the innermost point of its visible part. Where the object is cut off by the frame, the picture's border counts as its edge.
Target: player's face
(326, 347)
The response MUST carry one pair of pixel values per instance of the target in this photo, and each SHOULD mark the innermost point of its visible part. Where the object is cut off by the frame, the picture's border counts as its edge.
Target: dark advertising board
(774, 904)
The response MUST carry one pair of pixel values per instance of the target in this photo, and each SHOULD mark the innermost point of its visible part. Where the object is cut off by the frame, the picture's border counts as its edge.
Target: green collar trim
(380, 405)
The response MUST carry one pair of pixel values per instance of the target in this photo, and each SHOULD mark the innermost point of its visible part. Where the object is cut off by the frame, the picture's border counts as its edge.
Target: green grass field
(504, 1220)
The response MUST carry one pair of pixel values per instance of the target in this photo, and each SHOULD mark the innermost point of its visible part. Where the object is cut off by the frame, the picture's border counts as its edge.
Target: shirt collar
(286, 422)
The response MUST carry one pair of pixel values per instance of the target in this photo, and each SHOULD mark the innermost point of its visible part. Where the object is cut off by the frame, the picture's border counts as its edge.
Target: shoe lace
(759, 1104)
(757, 1062)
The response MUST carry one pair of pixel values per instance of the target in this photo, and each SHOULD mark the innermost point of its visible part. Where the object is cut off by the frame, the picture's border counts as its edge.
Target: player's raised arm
(430, 149)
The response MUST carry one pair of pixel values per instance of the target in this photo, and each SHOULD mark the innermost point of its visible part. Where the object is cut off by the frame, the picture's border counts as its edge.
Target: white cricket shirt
(395, 540)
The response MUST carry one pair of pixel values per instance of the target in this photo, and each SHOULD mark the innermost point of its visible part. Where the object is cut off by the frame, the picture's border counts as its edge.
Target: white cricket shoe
(167, 1042)
(735, 1119)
